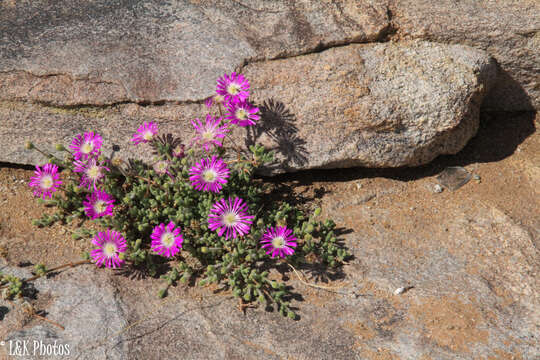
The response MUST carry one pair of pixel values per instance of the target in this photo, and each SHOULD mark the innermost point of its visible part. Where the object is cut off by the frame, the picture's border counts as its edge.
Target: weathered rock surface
(379, 105)
(383, 105)
(102, 52)
(507, 30)
(84, 302)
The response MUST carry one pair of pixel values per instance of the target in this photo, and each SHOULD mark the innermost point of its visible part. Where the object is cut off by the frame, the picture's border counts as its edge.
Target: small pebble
(437, 188)
(477, 177)
(402, 290)
(358, 185)
(399, 291)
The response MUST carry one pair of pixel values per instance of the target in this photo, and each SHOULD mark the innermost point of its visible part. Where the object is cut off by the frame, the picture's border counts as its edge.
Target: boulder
(372, 105)
(99, 52)
(378, 105)
(508, 30)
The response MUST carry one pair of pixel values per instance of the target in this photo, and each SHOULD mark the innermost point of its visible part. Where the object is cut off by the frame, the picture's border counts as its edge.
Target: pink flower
(241, 113)
(234, 86)
(98, 204)
(279, 241)
(145, 133)
(45, 181)
(92, 172)
(110, 244)
(85, 146)
(166, 241)
(230, 217)
(209, 133)
(209, 174)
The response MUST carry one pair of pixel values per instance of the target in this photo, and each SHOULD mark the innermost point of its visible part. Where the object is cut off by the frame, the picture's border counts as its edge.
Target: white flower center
(87, 148)
(100, 206)
(229, 219)
(148, 135)
(167, 239)
(109, 249)
(233, 89)
(209, 175)
(208, 135)
(46, 182)
(241, 114)
(278, 242)
(94, 172)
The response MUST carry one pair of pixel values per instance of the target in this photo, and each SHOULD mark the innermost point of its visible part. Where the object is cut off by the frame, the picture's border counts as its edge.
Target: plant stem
(327, 288)
(71, 264)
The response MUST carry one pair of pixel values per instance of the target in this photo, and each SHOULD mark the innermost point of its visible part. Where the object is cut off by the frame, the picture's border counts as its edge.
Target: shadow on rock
(498, 137)
(277, 122)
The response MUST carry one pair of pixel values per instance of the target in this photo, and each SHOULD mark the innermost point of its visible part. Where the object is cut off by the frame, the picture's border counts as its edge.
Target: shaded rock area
(377, 105)
(508, 30)
(468, 261)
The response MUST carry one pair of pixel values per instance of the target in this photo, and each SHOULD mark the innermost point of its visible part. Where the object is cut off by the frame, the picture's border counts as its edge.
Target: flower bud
(28, 145)
(59, 147)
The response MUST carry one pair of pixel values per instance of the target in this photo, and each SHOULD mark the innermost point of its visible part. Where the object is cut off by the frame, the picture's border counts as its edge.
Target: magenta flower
(232, 87)
(98, 204)
(241, 113)
(166, 240)
(86, 145)
(209, 174)
(230, 217)
(279, 241)
(110, 244)
(92, 172)
(208, 135)
(145, 133)
(45, 181)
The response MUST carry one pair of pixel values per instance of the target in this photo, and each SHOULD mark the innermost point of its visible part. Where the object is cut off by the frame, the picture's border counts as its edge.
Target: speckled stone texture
(376, 105)
(509, 30)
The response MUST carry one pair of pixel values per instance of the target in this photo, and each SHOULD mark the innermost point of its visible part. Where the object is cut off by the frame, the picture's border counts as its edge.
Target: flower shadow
(277, 122)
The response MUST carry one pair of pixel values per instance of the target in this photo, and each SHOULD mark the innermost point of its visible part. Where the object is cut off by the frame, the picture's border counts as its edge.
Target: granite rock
(100, 52)
(508, 30)
(375, 105)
